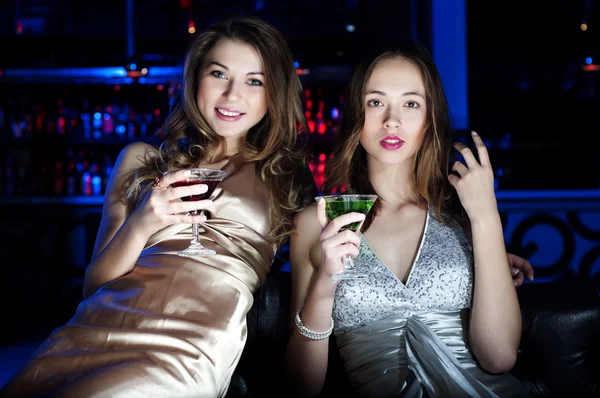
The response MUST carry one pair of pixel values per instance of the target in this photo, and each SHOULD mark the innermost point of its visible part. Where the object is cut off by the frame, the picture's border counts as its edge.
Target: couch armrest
(559, 353)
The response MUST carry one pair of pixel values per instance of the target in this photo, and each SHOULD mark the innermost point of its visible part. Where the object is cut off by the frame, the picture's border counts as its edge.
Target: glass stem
(348, 263)
(195, 230)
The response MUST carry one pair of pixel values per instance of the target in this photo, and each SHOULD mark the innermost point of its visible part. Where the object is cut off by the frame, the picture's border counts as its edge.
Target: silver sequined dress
(411, 340)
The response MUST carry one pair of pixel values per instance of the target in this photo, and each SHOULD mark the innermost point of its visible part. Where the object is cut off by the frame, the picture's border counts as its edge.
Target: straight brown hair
(347, 170)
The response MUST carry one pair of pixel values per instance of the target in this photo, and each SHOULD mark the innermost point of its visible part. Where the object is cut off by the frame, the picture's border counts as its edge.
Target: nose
(233, 91)
(392, 121)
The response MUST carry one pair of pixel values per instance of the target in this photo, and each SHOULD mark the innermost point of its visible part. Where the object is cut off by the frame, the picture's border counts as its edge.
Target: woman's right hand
(162, 205)
(334, 244)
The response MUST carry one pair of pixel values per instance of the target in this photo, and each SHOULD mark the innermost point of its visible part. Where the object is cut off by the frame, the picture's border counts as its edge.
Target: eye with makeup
(218, 74)
(412, 105)
(255, 82)
(374, 103)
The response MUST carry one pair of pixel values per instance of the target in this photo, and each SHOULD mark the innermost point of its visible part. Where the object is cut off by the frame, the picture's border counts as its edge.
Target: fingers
(467, 154)
(190, 190)
(171, 177)
(337, 223)
(517, 276)
(460, 168)
(321, 214)
(453, 179)
(187, 219)
(521, 265)
(187, 207)
(482, 152)
(529, 272)
(341, 251)
(342, 238)
(526, 269)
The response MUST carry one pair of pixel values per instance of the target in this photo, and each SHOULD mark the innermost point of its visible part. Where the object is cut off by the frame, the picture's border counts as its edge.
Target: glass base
(348, 275)
(196, 250)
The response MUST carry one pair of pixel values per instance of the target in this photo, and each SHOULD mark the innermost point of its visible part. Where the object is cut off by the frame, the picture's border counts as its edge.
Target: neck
(233, 145)
(392, 183)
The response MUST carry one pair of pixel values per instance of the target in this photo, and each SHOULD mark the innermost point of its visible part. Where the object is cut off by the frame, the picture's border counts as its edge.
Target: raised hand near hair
(475, 183)
(334, 243)
(162, 205)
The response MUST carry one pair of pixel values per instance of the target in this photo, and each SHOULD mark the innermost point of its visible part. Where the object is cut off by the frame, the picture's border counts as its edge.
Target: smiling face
(395, 112)
(231, 95)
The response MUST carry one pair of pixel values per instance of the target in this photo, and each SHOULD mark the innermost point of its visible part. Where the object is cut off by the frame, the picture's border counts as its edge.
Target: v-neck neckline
(415, 261)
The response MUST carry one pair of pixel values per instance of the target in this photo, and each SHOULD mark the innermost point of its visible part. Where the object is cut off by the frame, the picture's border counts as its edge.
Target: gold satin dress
(174, 326)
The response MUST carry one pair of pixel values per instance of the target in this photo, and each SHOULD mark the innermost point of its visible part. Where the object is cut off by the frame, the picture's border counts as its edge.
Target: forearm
(115, 260)
(307, 359)
(495, 326)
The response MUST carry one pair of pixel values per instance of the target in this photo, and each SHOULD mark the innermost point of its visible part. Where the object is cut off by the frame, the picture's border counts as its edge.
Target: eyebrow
(404, 94)
(226, 68)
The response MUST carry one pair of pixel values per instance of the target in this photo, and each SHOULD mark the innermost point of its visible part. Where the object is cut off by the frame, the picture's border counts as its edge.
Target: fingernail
(531, 278)
(187, 172)
(473, 133)
(516, 283)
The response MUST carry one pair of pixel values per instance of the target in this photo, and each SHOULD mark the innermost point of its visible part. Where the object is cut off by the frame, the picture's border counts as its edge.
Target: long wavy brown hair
(274, 143)
(348, 170)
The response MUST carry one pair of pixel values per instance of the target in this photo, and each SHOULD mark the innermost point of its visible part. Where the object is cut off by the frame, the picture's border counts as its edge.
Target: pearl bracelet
(311, 334)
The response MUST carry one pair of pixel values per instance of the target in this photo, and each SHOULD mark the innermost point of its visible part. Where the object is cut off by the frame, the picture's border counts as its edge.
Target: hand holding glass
(211, 178)
(337, 205)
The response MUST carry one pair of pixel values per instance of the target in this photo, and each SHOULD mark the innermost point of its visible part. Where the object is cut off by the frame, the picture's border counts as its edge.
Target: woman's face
(395, 112)
(231, 93)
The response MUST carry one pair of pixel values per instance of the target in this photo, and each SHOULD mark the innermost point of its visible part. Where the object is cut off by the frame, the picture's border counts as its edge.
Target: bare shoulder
(135, 154)
(306, 223)
(132, 157)
(305, 243)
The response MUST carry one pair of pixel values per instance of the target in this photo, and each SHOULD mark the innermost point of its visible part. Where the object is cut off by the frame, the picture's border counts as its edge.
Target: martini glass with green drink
(338, 205)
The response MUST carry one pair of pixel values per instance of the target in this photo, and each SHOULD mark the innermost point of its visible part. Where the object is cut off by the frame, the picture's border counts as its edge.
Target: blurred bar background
(79, 80)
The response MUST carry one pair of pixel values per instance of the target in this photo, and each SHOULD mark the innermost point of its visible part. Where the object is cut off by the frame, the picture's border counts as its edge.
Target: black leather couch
(559, 354)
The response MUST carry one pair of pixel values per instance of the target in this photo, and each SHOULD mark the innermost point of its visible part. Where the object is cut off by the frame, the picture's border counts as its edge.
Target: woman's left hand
(475, 186)
(520, 269)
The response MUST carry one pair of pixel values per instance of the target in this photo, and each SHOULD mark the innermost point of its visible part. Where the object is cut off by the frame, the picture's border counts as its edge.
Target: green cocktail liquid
(336, 208)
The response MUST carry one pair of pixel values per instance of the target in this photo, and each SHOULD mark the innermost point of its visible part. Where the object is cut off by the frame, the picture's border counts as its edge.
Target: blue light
(96, 185)
(335, 113)
(350, 28)
(296, 64)
(107, 72)
(505, 143)
(165, 71)
(449, 48)
(588, 60)
(132, 66)
(97, 116)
